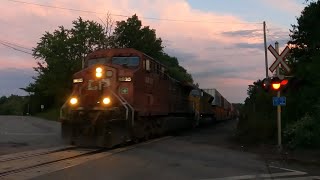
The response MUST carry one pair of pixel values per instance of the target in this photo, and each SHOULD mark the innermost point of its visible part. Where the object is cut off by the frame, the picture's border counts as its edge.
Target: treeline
(60, 54)
(13, 105)
(301, 115)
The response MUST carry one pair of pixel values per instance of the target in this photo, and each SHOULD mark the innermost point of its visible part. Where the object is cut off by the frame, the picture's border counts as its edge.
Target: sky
(219, 42)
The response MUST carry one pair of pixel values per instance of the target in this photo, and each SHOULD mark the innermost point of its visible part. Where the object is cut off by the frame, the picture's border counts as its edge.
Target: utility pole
(278, 107)
(265, 48)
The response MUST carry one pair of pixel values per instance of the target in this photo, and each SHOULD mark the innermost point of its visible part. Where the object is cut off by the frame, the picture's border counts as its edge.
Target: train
(123, 95)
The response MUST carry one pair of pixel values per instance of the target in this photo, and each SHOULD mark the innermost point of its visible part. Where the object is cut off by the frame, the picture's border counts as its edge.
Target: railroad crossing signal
(274, 84)
(279, 59)
(278, 84)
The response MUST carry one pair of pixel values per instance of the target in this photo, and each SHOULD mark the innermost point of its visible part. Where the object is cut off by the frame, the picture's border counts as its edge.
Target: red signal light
(284, 82)
(277, 84)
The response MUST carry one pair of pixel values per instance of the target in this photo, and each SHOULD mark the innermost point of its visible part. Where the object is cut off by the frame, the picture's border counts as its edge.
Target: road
(21, 133)
(205, 153)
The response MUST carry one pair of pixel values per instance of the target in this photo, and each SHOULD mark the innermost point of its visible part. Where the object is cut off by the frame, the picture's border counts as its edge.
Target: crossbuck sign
(279, 59)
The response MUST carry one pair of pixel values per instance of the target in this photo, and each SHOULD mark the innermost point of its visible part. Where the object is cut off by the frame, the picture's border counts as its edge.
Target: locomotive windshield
(96, 61)
(127, 61)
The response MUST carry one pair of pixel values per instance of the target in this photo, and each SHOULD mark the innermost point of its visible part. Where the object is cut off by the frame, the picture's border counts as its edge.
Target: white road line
(299, 178)
(284, 169)
(282, 174)
(272, 175)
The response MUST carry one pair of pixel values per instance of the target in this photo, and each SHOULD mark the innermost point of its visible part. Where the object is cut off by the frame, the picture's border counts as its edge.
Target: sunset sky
(219, 42)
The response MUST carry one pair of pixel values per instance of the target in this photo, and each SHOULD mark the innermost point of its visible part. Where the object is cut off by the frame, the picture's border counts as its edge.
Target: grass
(50, 114)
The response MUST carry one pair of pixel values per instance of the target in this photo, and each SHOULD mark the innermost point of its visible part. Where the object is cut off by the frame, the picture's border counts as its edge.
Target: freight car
(125, 95)
(222, 109)
(202, 102)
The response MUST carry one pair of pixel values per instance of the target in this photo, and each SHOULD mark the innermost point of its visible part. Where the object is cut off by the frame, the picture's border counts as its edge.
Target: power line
(274, 37)
(121, 15)
(15, 44)
(14, 48)
(62, 8)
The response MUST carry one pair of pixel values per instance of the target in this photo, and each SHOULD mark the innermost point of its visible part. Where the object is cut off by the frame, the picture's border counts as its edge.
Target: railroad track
(35, 163)
(23, 163)
(15, 156)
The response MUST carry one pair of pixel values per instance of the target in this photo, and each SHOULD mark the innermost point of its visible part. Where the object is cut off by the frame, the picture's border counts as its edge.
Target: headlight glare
(98, 74)
(73, 101)
(106, 100)
(99, 70)
(79, 80)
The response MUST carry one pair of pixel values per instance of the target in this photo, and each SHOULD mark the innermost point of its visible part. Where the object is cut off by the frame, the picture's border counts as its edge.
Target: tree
(131, 34)
(3, 99)
(305, 40)
(12, 105)
(60, 55)
(302, 129)
(305, 35)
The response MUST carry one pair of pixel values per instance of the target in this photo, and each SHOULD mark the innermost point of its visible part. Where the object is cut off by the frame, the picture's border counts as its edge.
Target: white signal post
(276, 66)
(278, 107)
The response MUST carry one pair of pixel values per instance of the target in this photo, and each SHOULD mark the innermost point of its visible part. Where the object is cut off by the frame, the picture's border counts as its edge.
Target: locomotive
(125, 95)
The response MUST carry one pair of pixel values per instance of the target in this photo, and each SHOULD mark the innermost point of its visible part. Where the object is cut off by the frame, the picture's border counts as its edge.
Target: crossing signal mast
(277, 82)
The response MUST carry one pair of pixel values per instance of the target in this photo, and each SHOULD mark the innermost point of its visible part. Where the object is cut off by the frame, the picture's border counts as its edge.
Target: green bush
(257, 122)
(303, 133)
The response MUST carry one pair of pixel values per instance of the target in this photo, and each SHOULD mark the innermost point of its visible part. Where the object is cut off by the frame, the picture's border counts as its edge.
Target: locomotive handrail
(132, 109)
(124, 103)
(121, 102)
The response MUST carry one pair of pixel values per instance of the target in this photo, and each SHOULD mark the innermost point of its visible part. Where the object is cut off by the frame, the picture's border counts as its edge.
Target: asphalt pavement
(21, 133)
(204, 153)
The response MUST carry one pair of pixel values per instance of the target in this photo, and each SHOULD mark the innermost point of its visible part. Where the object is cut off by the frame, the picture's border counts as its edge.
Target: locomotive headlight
(106, 100)
(79, 80)
(98, 75)
(98, 72)
(73, 101)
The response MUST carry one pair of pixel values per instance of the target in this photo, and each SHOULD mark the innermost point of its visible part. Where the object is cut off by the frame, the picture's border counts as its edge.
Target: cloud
(244, 33)
(250, 45)
(221, 51)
